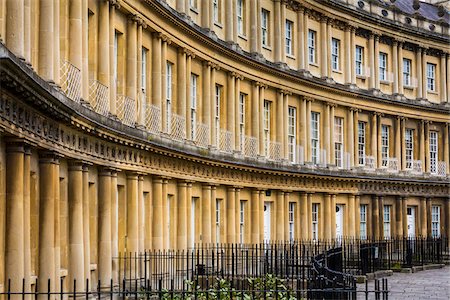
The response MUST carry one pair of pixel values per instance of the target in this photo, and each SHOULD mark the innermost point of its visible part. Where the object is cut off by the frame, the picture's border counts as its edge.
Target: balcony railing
(392, 164)
(369, 163)
(153, 118)
(275, 151)
(126, 110)
(250, 146)
(71, 81)
(202, 135)
(178, 127)
(441, 168)
(225, 141)
(99, 97)
(417, 166)
(300, 155)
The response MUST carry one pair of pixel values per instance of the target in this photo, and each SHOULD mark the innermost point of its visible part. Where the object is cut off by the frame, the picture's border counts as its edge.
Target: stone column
(46, 36)
(308, 131)
(358, 216)
(372, 61)
(423, 217)
(333, 215)
(427, 147)
(229, 21)
(140, 100)
(205, 14)
(309, 207)
(375, 218)
(280, 216)
(332, 154)
(351, 216)
(132, 213)
(422, 144)
(448, 76)
(56, 47)
(301, 38)
(398, 146)
(443, 78)
(26, 218)
(48, 162)
(27, 31)
(180, 6)
(181, 79)
(163, 104)
(256, 113)
(377, 61)
(353, 55)
(277, 31)
(355, 137)
(419, 73)
(190, 229)
(446, 148)
(305, 234)
(350, 138)
(182, 216)
(424, 74)
(15, 27)
(348, 46)
(114, 227)
(402, 159)
(280, 121)
(141, 213)
(156, 71)
(374, 138)
(326, 140)
(254, 28)
(255, 217)
(108, 66)
(261, 215)
(237, 205)
(324, 46)
(395, 67)
(404, 216)
(379, 157)
(286, 216)
(303, 127)
(212, 127)
(76, 247)
(104, 227)
(285, 125)
(213, 214)
(206, 214)
(207, 99)
(14, 241)
(76, 34)
(398, 217)
(261, 120)
(237, 139)
(157, 214)
(305, 39)
(86, 219)
(85, 52)
(381, 216)
(231, 107)
(132, 59)
(166, 216)
(327, 217)
(231, 220)
(400, 67)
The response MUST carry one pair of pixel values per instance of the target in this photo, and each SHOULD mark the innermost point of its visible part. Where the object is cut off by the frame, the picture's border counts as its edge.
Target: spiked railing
(202, 135)
(178, 127)
(126, 110)
(98, 97)
(250, 146)
(153, 118)
(71, 81)
(225, 141)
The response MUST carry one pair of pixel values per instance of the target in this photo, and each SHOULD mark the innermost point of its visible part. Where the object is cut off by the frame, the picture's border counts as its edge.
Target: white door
(411, 212)
(339, 221)
(267, 206)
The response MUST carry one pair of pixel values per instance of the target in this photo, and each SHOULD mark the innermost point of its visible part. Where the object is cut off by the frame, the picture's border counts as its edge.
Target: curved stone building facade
(128, 125)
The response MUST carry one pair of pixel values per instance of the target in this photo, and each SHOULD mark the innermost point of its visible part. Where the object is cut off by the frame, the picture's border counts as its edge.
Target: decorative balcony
(275, 151)
(300, 155)
(178, 127)
(250, 146)
(369, 163)
(225, 141)
(153, 118)
(126, 110)
(99, 97)
(417, 167)
(70, 81)
(392, 165)
(441, 168)
(202, 135)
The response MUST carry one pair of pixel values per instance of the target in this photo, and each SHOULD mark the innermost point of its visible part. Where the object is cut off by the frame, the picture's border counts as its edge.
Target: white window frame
(431, 77)
(193, 4)
(361, 143)
(291, 219)
(265, 27)
(384, 145)
(382, 66)
(218, 96)
(363, 221)
(315, 137)
(407, 63)
(169, 68)
(193, 106)
(242, 222)
(266, 124)
(435, 221)
(335, 47)
(288, 32)
(218, 202)
(359, 60)
(242, 98)
(144, 53)
(292, 133)
(315, 221)
(339, 141)
(240, 16)
(433, 136)
(409, 147)
(312, 36)
(386, 221)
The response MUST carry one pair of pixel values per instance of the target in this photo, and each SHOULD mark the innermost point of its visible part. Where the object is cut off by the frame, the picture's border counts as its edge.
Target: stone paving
(429, 284)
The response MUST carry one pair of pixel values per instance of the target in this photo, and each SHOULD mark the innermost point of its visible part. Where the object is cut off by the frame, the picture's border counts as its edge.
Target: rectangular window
(406, 72)
(339, 141)
(435, 221)
(266, 123)
(265, 27)
(218, 202)
(361, 143)
(217, 113)
(363, 221)
(315, 137)
(193, 115)
(292, 132)
(384, 145)
(168, 94)
(335, 45)
(431, 73)
(311, 46)
(241, 222)
(409, 147)
(289, 26)
(433, 152)
(359, 60)
(242, 120)
(291, 221)
(382, 62)
(315, 221)
(216, 11)
(387, 221)
(240, 16)
(144, 70)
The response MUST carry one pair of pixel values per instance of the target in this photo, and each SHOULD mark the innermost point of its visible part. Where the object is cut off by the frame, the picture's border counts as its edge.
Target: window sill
(432, 92)
(218, 25)
(385, 82)
(194, 10)
(290, 56)
(337, 71)
(362, 77)
(267, 47)
(408, 87)
(241, 36)
(314, 64)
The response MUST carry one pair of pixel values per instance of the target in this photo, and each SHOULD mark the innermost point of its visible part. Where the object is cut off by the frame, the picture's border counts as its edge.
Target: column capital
(378, 114)
(50, 157)
(15, 145)
(231, 188)
(206, 186)
(331, 104)
(132, 175)
(354, 109)
(105, 171)
(324, 19)
(309, 99)
(75, 165)
(114, 3)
